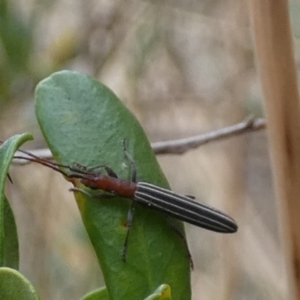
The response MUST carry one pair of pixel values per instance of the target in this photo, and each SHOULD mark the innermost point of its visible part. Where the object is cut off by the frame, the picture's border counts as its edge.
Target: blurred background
(183, 68)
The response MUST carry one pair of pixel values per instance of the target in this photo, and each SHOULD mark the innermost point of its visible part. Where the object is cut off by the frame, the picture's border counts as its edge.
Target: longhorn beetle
(181, 207)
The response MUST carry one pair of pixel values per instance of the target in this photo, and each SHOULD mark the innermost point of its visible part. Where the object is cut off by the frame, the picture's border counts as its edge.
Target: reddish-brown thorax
(106, 183)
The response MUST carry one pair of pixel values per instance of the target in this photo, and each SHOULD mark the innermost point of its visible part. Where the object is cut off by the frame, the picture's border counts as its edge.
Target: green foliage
(14, 286)
(163, 292)
(16, 47)
(99, 294)
(84, 122)
(9, 248)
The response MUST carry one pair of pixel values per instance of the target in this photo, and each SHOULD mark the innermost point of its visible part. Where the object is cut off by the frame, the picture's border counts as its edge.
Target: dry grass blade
(276, 65)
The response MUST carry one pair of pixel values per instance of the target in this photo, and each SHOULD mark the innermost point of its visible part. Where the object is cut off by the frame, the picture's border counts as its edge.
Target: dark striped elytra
(183, 208)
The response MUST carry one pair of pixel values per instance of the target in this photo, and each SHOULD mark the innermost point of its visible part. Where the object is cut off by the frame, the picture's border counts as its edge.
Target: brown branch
(180, 146)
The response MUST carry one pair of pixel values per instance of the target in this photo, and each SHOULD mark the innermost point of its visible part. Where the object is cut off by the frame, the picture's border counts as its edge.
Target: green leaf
(9, 248)
(16, 40)
(14, 286)
(84, 122)
(99, 294)
(163, 292)
(11, 243)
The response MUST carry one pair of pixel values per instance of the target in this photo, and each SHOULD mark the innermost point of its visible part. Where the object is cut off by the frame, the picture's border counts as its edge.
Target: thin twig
(250, 124)
(180, 146)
